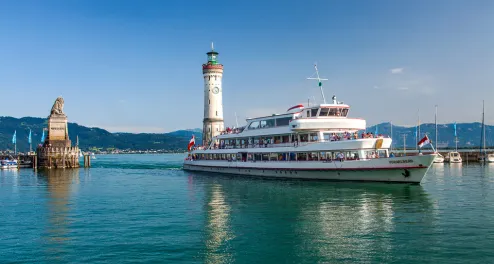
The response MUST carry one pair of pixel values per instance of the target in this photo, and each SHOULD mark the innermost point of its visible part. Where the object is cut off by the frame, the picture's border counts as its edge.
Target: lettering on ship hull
(400, 161)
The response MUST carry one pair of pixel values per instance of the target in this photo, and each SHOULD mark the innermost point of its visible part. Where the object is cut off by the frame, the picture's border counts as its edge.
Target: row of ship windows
(283, 121)
(293, 156)
(327, 112)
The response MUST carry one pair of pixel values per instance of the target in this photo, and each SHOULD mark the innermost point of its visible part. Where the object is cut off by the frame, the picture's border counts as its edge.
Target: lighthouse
(213, 97)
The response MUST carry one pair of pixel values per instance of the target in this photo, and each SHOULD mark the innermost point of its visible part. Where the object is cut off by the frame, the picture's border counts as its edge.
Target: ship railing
(280, 145)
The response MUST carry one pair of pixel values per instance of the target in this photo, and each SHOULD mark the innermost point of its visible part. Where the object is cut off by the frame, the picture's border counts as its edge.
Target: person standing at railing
(340, 156)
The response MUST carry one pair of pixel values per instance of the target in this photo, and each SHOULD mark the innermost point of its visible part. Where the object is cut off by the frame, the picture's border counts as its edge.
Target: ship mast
(319, 81)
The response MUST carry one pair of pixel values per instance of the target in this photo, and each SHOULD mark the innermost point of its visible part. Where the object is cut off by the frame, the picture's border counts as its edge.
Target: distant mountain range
(92, 137)
(468, 134)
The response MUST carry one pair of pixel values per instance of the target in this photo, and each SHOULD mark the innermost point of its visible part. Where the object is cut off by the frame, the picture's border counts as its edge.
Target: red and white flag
(192, 142)
(424, 141)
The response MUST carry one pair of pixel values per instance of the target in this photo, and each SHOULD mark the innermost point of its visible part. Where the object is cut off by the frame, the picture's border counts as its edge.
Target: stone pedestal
(55, 157)
(56, 151)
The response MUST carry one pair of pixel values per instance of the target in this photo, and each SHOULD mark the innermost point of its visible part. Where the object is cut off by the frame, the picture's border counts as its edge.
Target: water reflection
(437, 170)
(217, 227)
(310, 221)
(455, 169)
(59, 184)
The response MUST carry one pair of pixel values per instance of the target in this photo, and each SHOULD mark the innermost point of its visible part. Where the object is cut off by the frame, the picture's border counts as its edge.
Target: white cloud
(396, 70)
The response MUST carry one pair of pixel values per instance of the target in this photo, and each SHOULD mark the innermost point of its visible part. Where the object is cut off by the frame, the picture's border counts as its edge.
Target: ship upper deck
(330, 118)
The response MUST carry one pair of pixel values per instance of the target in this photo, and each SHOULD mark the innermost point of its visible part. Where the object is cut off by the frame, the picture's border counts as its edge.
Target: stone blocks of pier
(58, 157)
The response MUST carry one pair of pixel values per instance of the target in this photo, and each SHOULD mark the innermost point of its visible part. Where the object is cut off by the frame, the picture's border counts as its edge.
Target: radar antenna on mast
(319, 80)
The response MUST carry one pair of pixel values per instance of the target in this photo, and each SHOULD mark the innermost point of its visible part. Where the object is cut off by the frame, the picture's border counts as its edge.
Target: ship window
(254, 125)
(265, 157)
(332, 111)
(273, 156)
(324, 112)
(344, 112)
(263, 123)
(209, 101)
(216, 113)
(301, 156)
(313, 137)
(313, 156)
(283, 121)
(308, 113)
(314, 111)
(270, 123)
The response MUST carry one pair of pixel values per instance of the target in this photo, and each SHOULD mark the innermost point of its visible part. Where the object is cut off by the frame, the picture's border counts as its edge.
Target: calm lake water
(144, 208)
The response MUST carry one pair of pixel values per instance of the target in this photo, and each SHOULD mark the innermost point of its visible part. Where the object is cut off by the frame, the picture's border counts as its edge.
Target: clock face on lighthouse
(216, 90)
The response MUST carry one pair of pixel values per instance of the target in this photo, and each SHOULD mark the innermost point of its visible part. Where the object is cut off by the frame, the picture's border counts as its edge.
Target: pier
(31, 160)
(467, 155)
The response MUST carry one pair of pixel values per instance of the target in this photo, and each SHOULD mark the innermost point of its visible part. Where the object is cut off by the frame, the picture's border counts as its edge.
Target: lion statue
(57, 108)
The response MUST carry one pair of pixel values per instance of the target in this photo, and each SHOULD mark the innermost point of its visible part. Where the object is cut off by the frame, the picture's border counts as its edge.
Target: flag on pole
(424, 141)
(192, 142)
(14, 138)
(416, 132)
(43, 137)
(29, 138)
(454, 126)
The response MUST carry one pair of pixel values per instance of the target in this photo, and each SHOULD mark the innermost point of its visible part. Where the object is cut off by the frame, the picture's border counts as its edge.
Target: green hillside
(92, 137)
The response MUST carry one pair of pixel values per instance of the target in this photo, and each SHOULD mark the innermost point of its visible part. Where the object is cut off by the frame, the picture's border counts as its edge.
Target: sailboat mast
(483, 130)
(435, 122)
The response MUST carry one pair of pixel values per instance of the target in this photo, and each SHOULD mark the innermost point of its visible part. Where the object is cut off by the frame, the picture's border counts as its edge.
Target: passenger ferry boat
(318, 142)
(308, 142)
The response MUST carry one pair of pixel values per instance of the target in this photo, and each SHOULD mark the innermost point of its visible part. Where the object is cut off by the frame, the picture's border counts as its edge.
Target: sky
(135, 66)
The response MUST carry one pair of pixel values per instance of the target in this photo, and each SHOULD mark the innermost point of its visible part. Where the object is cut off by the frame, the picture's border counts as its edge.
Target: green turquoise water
(144, 208)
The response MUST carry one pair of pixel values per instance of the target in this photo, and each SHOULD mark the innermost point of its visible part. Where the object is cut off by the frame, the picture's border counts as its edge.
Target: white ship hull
(8, 164)
(402, 169)
(6, 167)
